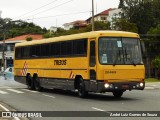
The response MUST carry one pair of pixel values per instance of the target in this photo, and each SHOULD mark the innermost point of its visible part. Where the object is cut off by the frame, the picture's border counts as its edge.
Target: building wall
(114, 14)
(0, 14)
(68, 26)
(8, 53)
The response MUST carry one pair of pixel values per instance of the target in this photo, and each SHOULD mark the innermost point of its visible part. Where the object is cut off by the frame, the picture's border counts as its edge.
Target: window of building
(103, 18)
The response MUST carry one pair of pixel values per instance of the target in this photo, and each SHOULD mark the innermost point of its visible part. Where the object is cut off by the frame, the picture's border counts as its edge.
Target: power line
(52, 8)
(61, 15)
(37, 9)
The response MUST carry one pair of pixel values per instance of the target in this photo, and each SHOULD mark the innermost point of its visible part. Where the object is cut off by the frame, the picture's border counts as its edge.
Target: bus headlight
(141, 84)
(106, 85)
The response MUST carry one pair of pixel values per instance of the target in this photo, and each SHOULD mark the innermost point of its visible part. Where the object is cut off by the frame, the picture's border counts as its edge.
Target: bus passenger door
(93, 85)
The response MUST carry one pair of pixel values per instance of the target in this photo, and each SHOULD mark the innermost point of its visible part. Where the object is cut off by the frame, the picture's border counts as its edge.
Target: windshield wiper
(131, 61)
(119, 54)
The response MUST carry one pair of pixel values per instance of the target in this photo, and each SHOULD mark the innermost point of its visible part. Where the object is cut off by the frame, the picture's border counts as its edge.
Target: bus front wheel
(117, 94)
(37, 84)
(81, 89)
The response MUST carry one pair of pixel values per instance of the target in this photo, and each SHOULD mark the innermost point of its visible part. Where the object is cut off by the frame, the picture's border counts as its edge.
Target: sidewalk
(152, 85)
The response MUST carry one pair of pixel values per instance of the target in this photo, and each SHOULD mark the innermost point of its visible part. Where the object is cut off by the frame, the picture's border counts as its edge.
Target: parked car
(9, 73)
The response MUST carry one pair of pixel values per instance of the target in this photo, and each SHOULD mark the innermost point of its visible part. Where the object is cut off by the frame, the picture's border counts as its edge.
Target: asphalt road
(17, 96)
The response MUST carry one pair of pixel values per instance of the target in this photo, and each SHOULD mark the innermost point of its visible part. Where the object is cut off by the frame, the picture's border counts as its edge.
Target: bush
(29, 38)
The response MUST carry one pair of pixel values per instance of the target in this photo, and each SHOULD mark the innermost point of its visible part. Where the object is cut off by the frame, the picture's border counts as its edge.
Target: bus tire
(29, 82)
(37, 84)
(81, 89)
(118, 94)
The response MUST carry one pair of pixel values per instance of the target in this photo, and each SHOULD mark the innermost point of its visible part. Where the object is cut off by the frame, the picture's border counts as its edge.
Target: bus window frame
(121, 40)
(50, 48)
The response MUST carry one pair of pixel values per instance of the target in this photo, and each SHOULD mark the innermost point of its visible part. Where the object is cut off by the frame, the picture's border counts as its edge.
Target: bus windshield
(120, 50)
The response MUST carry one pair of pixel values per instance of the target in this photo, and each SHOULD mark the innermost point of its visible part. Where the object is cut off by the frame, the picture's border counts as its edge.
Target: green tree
(155, 30)
(29, 38)
(98, 26)
(121, 4)
(156, 64)
(124, 25)
(144, 13)
(48, 35)
(19, 27)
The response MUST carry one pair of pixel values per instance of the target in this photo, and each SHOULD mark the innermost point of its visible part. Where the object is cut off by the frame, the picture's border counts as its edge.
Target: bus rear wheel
(118, 94)
(30, 83)
(37, 84)
(81, 89)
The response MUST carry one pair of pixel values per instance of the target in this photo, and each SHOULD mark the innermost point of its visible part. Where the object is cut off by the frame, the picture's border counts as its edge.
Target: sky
(47, 13)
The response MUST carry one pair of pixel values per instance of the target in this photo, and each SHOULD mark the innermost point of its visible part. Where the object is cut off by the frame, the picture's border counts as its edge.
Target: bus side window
(92, 54)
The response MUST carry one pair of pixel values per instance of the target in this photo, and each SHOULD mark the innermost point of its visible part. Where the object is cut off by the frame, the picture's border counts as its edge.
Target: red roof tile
(105, 12)
(23, 37)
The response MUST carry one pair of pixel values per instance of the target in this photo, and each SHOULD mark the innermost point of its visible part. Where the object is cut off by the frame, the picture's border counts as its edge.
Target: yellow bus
(98, 61)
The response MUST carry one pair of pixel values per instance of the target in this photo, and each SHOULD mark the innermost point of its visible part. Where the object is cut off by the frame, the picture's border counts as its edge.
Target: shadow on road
(92, 96)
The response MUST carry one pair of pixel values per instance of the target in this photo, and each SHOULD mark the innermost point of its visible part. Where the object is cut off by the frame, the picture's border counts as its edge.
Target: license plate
(125, 86)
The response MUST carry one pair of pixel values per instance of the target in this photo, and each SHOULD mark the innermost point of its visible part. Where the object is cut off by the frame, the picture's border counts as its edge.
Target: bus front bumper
(109, 87)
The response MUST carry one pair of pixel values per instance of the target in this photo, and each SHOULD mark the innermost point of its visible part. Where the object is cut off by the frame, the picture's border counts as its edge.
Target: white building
(68, 26)
(9, 47)
(53, 29)
(75, 24)
(0, 14)
(113, 14)
(102, 16)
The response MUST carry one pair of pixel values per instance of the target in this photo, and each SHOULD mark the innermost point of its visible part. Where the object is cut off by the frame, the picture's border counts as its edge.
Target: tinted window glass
(69, 47)
(55, 49)
(80, 47)
(18, 53)
(63, 48)
(35, 51)
(45, 50)
(26, 52)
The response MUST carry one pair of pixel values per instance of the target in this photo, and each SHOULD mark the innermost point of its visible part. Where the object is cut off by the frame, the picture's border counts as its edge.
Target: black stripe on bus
(51, 69)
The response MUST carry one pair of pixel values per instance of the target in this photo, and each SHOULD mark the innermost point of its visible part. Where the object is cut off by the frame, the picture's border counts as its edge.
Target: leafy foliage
(121, 4)
(29, 38)
(156, 62)
(154, 30)
(19, 27)
(124, 25)
(144, 13)
(61, 31)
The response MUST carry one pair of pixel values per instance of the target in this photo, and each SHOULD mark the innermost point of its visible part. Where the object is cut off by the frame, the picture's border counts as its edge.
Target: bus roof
(93, 34)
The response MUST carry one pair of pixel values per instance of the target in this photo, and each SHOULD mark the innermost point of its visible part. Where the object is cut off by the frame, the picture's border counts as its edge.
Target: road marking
(16, 118)
(5, 87)
(16, 91)
(101, 110)
(30, 91)
(4, 107)
(3, 92)
(97, 109)
(48, 96)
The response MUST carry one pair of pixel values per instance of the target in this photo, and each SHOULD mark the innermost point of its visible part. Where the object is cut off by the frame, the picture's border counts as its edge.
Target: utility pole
(4, 28)
(92, 15)
(3, 50)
